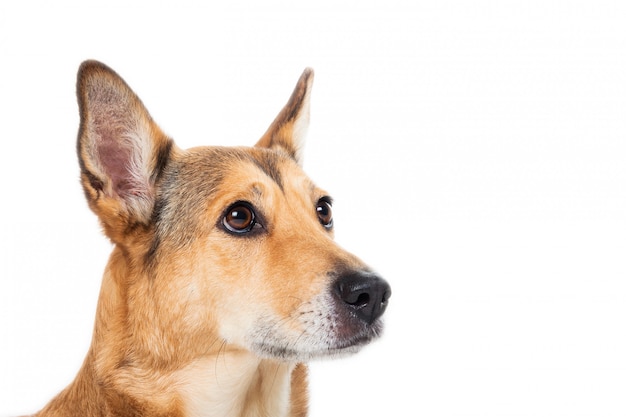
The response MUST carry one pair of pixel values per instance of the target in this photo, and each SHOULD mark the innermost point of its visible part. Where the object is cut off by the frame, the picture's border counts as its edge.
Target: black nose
(364, 293)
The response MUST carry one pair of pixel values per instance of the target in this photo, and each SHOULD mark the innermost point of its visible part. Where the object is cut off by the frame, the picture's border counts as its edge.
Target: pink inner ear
(116, 159)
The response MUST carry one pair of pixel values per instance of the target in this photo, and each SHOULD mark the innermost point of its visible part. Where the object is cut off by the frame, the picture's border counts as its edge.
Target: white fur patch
(235, 384)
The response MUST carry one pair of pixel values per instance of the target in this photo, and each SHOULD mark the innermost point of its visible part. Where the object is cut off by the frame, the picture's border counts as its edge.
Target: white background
(476, 151)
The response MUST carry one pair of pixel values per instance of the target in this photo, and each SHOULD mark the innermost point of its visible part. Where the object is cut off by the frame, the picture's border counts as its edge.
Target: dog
(224, 278)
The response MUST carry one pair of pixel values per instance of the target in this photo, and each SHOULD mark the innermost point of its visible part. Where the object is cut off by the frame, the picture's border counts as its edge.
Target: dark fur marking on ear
(94, 181)
(295, 110)
(163, 158)
(297, 98)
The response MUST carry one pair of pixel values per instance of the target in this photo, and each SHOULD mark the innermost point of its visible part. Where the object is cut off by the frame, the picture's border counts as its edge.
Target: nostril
(362, 300)
(352, 292)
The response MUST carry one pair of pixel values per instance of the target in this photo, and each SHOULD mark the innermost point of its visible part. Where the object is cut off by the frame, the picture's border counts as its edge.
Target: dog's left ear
(288, 130)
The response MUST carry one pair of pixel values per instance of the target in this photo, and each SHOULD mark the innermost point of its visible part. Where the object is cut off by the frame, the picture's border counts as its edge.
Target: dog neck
(236, 384)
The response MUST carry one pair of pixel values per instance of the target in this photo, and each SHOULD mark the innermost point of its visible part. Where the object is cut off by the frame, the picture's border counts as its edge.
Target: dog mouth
(289, 353)
(330, 338)
(354, 343)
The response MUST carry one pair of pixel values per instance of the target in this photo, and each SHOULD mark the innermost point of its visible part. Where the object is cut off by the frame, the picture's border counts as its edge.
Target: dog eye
(325, 212)
(239, 218)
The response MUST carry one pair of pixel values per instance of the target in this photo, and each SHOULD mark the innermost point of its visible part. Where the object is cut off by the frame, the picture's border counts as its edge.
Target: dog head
(220, 247)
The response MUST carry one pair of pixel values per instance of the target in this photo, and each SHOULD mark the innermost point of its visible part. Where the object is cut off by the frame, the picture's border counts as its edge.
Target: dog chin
(309, 348)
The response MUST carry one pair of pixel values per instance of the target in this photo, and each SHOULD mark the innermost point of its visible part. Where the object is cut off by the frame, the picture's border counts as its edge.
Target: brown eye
(239, 218)
(325, 212)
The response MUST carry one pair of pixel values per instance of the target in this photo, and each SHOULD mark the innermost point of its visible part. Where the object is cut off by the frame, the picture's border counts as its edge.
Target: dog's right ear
(288, 130)
(121, 150)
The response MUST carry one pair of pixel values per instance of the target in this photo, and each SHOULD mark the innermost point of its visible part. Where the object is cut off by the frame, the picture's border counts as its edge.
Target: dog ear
(288, 130)
(121, 150)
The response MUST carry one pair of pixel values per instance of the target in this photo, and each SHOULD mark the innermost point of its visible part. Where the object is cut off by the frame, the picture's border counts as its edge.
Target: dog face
(227, 248)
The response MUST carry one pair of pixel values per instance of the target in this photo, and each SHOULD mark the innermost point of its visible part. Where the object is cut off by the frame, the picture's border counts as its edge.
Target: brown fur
(194, 320)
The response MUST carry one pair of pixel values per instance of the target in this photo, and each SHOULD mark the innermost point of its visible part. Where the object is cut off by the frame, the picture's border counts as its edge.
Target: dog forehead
(230, 171)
